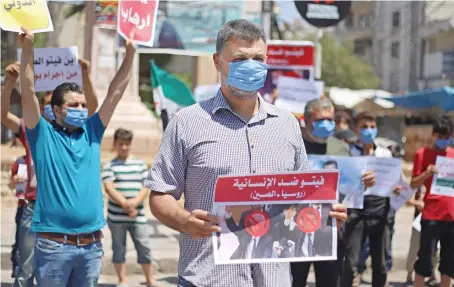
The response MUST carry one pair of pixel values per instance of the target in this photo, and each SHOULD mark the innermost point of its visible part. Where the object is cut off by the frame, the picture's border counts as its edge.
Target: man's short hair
(122, 134)
(343, 115)
(443, 125)
(330, 162)
(243, 29)
(317, 104)
(368, 116)
(58, 95)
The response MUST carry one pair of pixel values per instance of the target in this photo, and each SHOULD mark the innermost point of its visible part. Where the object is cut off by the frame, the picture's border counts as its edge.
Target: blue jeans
(27, 238)
(140, 236)
(184, 283)
(366, 249)
(62, 265)
(15, 248)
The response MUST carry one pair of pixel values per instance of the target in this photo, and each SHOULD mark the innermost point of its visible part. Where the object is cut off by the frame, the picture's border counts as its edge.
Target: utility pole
(414, 45)
(89, 23)
(318, 55)
(267, 9)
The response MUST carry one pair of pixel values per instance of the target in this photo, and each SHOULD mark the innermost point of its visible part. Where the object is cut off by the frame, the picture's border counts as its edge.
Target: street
(165, 251)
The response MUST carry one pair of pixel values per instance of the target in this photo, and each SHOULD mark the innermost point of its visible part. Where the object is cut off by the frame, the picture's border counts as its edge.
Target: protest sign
(137, 18)
(417, 223)
(293, 59)
(22, 171)
(191, 27)
(404, 195)
(266, 218)
(206, 92)
(54, 66)
(351, 169)
(443, 182)
(294, 93)
(31, 14)
(106, 14)
(387, 172)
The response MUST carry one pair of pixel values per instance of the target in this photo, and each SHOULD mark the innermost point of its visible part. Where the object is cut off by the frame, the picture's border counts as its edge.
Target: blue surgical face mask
(76, 117)
(48, 113)
(323, 128)
(368, 135)
(247, 75)
(442, 143)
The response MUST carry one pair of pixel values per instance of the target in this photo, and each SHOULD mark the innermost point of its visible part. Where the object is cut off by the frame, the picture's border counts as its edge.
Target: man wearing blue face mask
(320, 125)
(69, 207)
(371, 221)
(236, 132)
(25, 274)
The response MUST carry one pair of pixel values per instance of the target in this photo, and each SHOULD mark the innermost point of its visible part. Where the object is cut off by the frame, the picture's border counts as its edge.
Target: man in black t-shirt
(320, 125)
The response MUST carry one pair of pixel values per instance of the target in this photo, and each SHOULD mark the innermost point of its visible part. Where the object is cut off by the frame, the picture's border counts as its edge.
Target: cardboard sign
(55, 66)
(31, 14)
(138, 18)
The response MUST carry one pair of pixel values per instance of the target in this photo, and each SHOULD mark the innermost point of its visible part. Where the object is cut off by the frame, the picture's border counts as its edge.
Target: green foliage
(342, 68)
(40, 40)
(74, 10)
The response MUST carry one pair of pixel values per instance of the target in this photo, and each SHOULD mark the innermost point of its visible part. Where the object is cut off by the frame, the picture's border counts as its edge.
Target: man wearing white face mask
(236, 132)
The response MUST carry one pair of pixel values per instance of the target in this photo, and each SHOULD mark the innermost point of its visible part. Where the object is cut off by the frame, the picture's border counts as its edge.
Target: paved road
(165, 251)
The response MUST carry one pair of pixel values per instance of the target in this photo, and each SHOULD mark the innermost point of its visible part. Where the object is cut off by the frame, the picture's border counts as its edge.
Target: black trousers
(326, 273)
(432, 232)
(357, 228)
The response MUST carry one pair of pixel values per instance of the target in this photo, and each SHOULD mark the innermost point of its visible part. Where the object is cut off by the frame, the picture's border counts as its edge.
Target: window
(396, 19)
(349, 21)
(365, 21)
(432, 45)
(393, 82)
(395, 50)
(362, 46)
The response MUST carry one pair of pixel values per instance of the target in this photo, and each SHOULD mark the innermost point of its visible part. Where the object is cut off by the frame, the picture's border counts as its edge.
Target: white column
(130, 113)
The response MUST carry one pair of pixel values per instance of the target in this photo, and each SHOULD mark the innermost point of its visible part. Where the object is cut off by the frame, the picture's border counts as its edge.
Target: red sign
(139, 18)
(309, 220)
(291, 55)
(291, 186)
(257, 223)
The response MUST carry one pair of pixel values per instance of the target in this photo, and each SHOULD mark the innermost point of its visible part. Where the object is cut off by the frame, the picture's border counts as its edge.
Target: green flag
(167, 87)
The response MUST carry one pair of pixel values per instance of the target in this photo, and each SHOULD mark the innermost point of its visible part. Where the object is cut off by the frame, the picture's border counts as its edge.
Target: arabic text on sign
(18, 4)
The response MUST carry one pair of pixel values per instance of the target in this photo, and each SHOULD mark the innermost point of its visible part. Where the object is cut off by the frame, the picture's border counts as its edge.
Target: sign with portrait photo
(275, 217)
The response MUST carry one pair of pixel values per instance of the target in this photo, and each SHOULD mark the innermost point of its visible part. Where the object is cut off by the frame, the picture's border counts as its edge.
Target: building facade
(410, 44)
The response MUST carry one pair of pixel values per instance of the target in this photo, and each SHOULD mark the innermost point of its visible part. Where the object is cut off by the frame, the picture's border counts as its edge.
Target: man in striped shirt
(123, 177)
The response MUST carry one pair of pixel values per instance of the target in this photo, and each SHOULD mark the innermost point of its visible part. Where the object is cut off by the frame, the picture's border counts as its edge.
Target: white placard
(22, 171)
(387, 175)
(206, 92)
(55, 66)
(406, 192)
(294, 93)
(443, 182)
(417, 223)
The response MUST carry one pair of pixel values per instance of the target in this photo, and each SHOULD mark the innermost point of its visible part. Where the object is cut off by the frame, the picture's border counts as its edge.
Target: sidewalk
(165, 250)
(164, 242)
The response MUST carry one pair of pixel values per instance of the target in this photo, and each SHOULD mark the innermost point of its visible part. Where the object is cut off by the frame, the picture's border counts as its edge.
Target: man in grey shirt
(236, 132)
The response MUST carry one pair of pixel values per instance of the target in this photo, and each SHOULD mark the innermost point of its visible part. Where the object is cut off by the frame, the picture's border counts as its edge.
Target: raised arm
(30, 103)
(89, 90)
(9, 120)
(118, 85)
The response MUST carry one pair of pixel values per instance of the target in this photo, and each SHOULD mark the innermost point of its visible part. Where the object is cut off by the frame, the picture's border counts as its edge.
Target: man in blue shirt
(69, 209)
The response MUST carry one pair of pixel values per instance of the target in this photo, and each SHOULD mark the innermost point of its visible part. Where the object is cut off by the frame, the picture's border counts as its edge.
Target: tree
(342, 68)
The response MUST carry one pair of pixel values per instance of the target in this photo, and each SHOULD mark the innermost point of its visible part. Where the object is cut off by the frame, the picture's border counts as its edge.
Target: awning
(442, 98)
